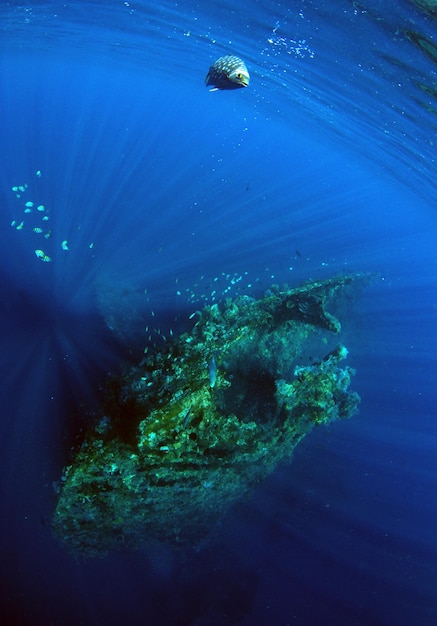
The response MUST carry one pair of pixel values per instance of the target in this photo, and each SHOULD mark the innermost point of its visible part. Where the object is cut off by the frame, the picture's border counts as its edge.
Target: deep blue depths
(174, 188)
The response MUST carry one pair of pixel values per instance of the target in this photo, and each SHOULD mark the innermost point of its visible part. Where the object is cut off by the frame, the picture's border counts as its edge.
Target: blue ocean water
(161, 196)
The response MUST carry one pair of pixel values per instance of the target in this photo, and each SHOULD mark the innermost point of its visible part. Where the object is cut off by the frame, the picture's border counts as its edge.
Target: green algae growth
(189, 431)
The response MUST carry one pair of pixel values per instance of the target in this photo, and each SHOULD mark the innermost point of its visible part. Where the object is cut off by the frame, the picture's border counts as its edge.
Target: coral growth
(192, 428)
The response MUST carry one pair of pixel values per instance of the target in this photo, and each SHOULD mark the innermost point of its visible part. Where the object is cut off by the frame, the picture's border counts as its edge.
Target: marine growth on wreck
(189, 431)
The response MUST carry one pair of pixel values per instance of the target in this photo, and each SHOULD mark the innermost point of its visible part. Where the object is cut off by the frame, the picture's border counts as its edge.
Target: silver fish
(212, 369)
(187, 418)
(228, 72)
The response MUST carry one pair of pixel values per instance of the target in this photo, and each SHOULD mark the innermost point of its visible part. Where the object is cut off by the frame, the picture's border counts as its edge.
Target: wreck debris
(189, 431)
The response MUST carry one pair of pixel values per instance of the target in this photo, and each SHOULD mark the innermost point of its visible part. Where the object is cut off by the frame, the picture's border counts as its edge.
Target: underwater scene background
(131, 197)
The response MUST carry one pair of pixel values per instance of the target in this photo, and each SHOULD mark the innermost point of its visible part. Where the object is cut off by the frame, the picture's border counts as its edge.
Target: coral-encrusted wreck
(197, 424)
